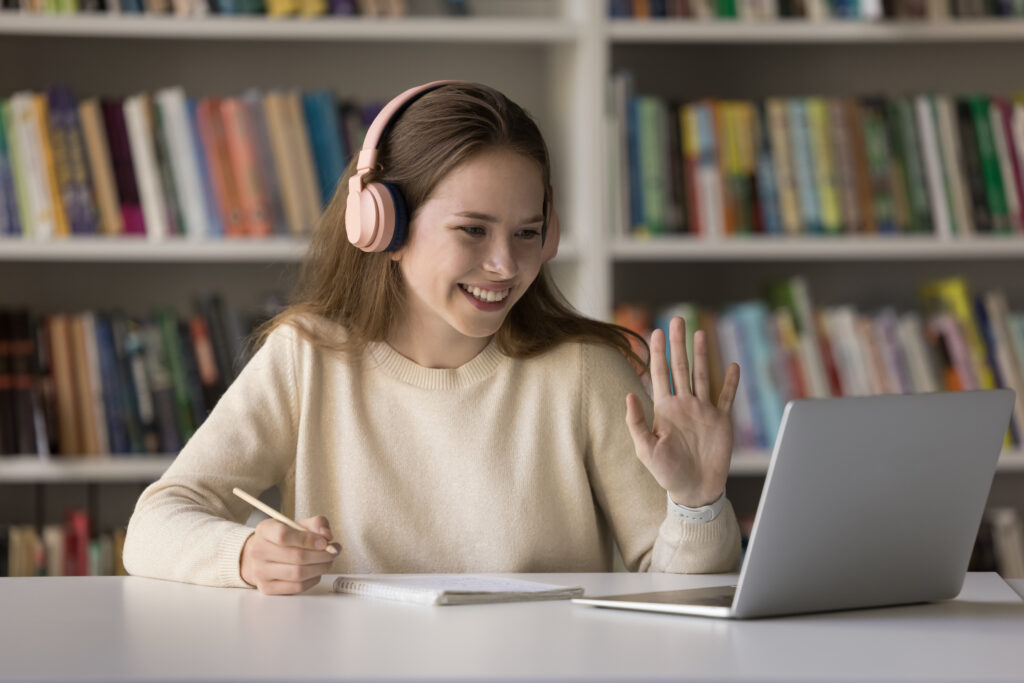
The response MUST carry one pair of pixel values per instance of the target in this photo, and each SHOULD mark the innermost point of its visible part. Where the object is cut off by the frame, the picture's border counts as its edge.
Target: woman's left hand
(690, 446)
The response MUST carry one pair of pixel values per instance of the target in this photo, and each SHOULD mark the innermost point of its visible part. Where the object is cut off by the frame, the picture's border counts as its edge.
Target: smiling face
(474, 248)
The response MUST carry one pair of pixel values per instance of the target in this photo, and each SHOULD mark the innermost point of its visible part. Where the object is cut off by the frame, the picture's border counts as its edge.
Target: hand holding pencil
(284, 556)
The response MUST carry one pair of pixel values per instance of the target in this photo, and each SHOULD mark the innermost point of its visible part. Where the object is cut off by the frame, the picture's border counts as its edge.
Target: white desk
(132, 629)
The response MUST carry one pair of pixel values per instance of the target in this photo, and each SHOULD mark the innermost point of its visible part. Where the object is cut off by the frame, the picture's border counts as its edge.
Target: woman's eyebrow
(475, 215)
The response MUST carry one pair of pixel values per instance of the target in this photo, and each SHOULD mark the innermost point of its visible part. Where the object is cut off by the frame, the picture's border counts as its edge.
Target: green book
(17, 171)
(898, 167)
(175, 360)
(876, 144)
(653, 148)
(990, 165)
(726, 9)
(917, 184)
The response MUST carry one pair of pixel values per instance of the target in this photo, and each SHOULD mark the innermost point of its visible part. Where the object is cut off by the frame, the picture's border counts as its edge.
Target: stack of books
(95, 383)
(768, 10)
(270, 8)
(68, 549)
(789, 349)
(926, 164)
(164, 165)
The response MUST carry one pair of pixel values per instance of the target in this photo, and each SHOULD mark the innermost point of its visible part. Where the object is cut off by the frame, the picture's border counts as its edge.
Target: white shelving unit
(146, 468)
(83, 469)
(553, 57)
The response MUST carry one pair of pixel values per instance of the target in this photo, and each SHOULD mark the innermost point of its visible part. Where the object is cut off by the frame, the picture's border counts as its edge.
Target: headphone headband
(376, 218)
(368, 154)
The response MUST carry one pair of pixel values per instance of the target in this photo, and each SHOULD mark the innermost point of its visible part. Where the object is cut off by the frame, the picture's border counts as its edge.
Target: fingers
(643, 438)
(279, 560)
(659, 367)
(288, 587)
(283, 535)
(680, 363)
(700, 366)
(318, 525)
(729, 385)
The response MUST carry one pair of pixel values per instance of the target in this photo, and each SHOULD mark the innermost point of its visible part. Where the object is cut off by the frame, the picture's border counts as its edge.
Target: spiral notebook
(451, 589)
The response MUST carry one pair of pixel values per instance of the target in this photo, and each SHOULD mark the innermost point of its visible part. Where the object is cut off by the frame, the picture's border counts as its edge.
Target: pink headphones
(376, 218)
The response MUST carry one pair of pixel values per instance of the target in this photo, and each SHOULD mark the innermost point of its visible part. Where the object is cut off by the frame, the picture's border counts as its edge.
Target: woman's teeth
(485, 294)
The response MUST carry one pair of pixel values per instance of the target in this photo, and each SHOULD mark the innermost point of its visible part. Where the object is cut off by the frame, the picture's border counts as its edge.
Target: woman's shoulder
(304, 333)
(590, 358)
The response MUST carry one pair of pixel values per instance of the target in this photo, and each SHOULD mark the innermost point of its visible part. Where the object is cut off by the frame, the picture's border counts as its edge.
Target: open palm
(689, 447)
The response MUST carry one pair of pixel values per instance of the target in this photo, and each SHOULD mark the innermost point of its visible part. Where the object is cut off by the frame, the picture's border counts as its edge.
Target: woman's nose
(501, 258)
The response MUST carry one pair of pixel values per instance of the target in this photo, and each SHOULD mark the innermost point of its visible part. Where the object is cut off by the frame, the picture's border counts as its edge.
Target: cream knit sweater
(500, 465)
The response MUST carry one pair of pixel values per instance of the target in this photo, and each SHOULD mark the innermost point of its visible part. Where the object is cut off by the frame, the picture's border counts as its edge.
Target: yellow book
(42, 111)
(300, 145)
(101, 166)
(824, 167)
(789, 204)
(312, 8)
(285, 165)
(745, 118)
(282, 8)
(689, 136)
(952, 295)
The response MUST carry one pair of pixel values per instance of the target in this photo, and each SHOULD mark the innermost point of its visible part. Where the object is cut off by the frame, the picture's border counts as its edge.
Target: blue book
(803, 165)
(216, 228)
(128, 396)
(746, 416)
(767, 187)
(111, 388)
(753, 318)
(328, 149)
(10, 223)
(636, 194)
(709, 170)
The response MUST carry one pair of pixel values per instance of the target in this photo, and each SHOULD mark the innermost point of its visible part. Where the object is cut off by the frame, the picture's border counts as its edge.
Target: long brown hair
(363, 292)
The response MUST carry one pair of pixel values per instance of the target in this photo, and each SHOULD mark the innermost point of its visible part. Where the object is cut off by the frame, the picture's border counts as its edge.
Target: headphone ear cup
(377, 216)
(400, 231)
(551, 237)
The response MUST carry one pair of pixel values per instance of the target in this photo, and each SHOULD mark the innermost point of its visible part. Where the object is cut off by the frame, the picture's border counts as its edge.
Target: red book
(124, 169)
(218, 159)
(240, 136)
(76, 543)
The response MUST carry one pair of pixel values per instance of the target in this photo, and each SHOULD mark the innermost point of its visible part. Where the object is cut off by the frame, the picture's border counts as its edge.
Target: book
(139, 123)
(172, 106)
(101, 167)
(451, 589)
(124, 168)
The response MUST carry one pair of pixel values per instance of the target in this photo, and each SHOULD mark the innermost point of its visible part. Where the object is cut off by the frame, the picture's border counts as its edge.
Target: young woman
(430, 404)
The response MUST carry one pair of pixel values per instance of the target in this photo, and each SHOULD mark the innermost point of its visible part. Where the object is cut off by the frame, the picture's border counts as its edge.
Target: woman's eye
(472, 229)
(529, 233)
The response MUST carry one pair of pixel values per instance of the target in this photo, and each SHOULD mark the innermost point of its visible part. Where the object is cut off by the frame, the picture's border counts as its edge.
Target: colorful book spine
(803, 165)
(823, 165)
(987, 155)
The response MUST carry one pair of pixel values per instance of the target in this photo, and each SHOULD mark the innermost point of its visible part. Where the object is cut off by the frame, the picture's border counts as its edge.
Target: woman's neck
(437, 351)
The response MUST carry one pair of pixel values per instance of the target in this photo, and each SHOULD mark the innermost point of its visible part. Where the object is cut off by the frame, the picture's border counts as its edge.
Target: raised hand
(689, 448)
(279, 560)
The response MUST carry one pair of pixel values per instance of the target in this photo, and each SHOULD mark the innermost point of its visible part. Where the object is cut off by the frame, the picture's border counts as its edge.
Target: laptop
(868, 502)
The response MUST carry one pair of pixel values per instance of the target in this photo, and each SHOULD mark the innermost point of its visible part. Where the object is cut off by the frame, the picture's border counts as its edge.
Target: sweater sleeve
(188, 526)
(632, 502)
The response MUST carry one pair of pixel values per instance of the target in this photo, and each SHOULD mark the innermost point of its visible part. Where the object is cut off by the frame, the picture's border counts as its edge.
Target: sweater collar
(405, 370)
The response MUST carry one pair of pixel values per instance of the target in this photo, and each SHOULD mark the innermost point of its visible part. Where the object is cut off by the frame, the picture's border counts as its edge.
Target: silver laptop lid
(875, 501)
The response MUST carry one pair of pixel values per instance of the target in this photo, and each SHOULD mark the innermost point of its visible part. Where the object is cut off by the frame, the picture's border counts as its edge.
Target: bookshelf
(146, 468)
(554, 57)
